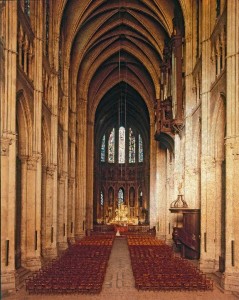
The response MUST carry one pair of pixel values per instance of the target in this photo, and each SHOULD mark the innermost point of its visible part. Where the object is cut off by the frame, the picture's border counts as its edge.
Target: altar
(122, 218)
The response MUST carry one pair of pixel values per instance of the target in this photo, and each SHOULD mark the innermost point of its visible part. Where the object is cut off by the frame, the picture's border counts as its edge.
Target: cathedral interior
(119, 116)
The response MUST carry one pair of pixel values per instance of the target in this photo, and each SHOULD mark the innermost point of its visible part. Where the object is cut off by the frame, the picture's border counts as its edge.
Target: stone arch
(60, 154)
(45, 143)
(24, 121)
(218, 129)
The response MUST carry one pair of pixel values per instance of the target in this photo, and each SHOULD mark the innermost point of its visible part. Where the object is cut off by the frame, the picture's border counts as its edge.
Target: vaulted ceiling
(115, 47)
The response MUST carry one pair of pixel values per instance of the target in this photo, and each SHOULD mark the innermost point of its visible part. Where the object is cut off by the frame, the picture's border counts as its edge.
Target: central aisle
(119, 276)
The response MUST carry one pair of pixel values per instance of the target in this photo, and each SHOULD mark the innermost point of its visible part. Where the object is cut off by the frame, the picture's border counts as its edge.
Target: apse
(121, 158)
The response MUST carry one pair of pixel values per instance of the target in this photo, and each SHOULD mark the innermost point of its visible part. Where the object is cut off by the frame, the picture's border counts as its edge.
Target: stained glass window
(47, 6)
(103, 149)
(141, 152)
(111, 147)
(218, 7)
(27, 7)
(101, 198)
(131, 146)
(120, 197)
(121, 145)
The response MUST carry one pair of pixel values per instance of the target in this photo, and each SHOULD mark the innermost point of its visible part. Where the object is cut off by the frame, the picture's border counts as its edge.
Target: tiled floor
(119, 284)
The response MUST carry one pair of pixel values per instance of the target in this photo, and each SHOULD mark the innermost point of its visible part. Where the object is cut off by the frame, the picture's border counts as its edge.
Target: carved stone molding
(32, 263)
(5, 143)
(62, 177)
(192, 171)
(208, 162)
(50, 170)
(32, 162)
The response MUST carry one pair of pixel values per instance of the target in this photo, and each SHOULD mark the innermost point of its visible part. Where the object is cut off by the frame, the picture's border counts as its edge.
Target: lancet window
(103, 149)
(47, 16)
(131, 146)
(111, 147)
(120, 196)
(130, 141)
(141, 151)
(101, 198)
(27, 7)
(121, 150)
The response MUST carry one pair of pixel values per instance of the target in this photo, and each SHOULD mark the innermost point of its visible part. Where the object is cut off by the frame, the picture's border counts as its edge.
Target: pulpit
(187, 237)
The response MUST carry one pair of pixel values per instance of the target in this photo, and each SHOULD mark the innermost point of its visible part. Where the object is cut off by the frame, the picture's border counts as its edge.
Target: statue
(180, 186)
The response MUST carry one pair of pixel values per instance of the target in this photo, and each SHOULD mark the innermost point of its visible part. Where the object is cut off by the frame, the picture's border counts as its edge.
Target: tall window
(121, 145)
(108, 149)
(131, 146)
(218, 7)
(27, 7)
(141, 152)
(197, 29)
(47, 12)
(101, 198)
(102, 157)
(120, 197)
(111, 147)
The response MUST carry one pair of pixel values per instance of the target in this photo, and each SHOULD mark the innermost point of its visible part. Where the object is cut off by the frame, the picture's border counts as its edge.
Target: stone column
(34, 168)
(90, 175)
(8, 167)
(8, 55)
(161, 191)
(208, 259)
(192, 126)
(49, 249)
(62, 213)
(23, 206)
(71, 209)
(81, 170)
(152, 181)
(230, 279)
(31, 245)
(171, 192)
(219, 204)
(52, 169)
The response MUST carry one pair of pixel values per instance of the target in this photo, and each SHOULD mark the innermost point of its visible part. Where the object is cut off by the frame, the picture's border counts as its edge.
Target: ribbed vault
(101, 37)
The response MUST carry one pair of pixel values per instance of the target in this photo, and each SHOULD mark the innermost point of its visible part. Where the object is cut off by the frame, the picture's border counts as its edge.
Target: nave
(119, 281)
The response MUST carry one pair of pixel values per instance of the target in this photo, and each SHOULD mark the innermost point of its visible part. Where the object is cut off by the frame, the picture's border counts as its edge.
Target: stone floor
(119, 284)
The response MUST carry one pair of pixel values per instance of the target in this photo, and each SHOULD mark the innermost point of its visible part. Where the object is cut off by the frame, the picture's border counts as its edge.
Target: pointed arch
(46, 146)
(218, 128)
(24, 121)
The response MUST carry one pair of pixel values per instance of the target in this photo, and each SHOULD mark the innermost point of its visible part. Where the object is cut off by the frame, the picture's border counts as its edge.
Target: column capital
(62, 177)
(50, 170)
(208, 162)
(32, 162)
(82, 103)
(5, 143)
(71, 181)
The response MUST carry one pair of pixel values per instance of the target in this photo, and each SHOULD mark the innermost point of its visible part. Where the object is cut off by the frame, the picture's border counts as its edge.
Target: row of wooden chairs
(81, 269)
(156, 268)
